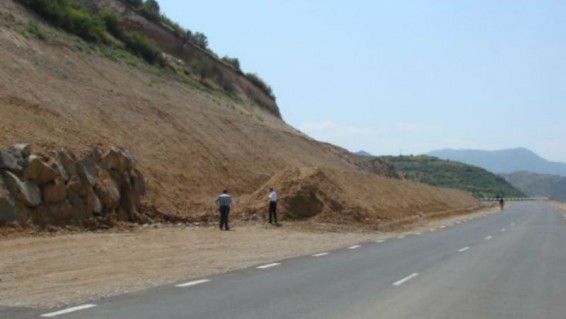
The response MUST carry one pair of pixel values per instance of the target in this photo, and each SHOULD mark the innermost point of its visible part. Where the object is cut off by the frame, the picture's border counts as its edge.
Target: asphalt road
(510, 264)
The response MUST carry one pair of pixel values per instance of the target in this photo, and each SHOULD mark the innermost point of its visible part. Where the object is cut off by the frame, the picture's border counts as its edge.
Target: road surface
(510, 264)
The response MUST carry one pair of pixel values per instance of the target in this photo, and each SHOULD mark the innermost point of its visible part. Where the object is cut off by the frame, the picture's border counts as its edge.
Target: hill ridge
(503, 161)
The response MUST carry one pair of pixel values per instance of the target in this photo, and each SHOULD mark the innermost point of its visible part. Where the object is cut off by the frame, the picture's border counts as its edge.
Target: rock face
(60, 189)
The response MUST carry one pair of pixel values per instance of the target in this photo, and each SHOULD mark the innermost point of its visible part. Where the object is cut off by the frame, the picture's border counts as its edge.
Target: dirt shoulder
(559, 205)
(52, 270)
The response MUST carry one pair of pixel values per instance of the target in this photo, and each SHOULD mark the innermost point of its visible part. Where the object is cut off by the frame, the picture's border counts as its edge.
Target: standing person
(224, 202)
(501, 203)
(421, 218)
(272, 206)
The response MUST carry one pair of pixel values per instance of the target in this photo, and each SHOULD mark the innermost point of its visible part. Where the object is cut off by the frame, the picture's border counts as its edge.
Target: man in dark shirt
(224, 202)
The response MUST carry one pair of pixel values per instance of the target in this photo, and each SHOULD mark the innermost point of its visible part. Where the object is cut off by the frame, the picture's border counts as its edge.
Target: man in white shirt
(272, 206)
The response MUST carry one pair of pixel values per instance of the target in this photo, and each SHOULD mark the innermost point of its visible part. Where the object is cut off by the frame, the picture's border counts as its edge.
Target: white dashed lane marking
(355, 247)
(192, 283)
(268, 266)
(68, 310)
(488, 238)
(404, 280)
(464, 249)
(320, 254)
(380, 241)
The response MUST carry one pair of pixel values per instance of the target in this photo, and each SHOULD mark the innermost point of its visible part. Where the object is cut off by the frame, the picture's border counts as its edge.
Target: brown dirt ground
(52, 270)
(559, 205)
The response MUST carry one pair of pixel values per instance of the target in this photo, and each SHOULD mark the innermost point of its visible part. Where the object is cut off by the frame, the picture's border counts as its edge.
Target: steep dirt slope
(191, 143)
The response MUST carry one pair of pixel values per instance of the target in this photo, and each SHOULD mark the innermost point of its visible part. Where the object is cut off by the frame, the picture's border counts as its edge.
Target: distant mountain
(537, 185)
(504, 161)
(437, 172)
(363, 153)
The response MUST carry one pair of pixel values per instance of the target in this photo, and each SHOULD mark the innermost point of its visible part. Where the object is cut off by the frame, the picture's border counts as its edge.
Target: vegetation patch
(106, 28)
(97, 28)
(437, 172)
(33, 29)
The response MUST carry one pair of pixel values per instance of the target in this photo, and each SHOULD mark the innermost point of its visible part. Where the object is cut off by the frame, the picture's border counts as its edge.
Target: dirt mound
(335, 196)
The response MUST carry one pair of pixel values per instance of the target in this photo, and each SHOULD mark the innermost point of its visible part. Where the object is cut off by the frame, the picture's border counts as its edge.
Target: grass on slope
(437, 172)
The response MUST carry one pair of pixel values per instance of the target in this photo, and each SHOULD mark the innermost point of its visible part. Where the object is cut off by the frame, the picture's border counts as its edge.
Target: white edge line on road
(268, 266)
(464, 249)
(192, 283)
(432, 229)
(404, 280)
(355, 247)
(68, 310)
(488, 238)
(380, 241)
(320, 254)
(401, 237)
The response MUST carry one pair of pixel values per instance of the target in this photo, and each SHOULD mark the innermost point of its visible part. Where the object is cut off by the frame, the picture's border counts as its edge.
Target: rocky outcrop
(59, 189)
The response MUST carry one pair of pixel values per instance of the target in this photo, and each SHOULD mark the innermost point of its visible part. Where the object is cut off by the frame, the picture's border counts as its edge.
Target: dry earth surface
(52, 270)
(559, 205)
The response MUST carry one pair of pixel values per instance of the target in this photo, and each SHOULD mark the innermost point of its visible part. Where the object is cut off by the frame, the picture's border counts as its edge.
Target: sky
(402, 76)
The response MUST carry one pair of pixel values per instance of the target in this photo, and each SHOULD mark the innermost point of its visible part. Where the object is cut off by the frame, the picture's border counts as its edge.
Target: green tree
(200, 40)
(233, 62)
(152, 10)
(135, 3)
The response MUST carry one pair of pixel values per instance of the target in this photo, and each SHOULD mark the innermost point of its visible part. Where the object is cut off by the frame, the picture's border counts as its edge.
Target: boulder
(7, 204)
(86, 172)
(65, 163)
(23, 190)
(108, 192)
(79, 209)
(22, 150)
(61, 214)
(119, 160)
(39, 171)
(23, 214)
(9, 162)
(78, 185)
(55, 192)
(40, 215)
(93, 205)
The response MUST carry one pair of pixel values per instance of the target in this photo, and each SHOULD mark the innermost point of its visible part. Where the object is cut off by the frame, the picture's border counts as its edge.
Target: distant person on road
(224, 202)
(501, 203)
(272, 206)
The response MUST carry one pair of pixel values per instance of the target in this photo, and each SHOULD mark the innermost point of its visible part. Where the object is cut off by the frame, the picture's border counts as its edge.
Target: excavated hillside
(190, 141)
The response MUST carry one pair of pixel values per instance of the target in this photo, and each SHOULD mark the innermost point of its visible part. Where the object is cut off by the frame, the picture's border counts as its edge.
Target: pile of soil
(328, 195)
